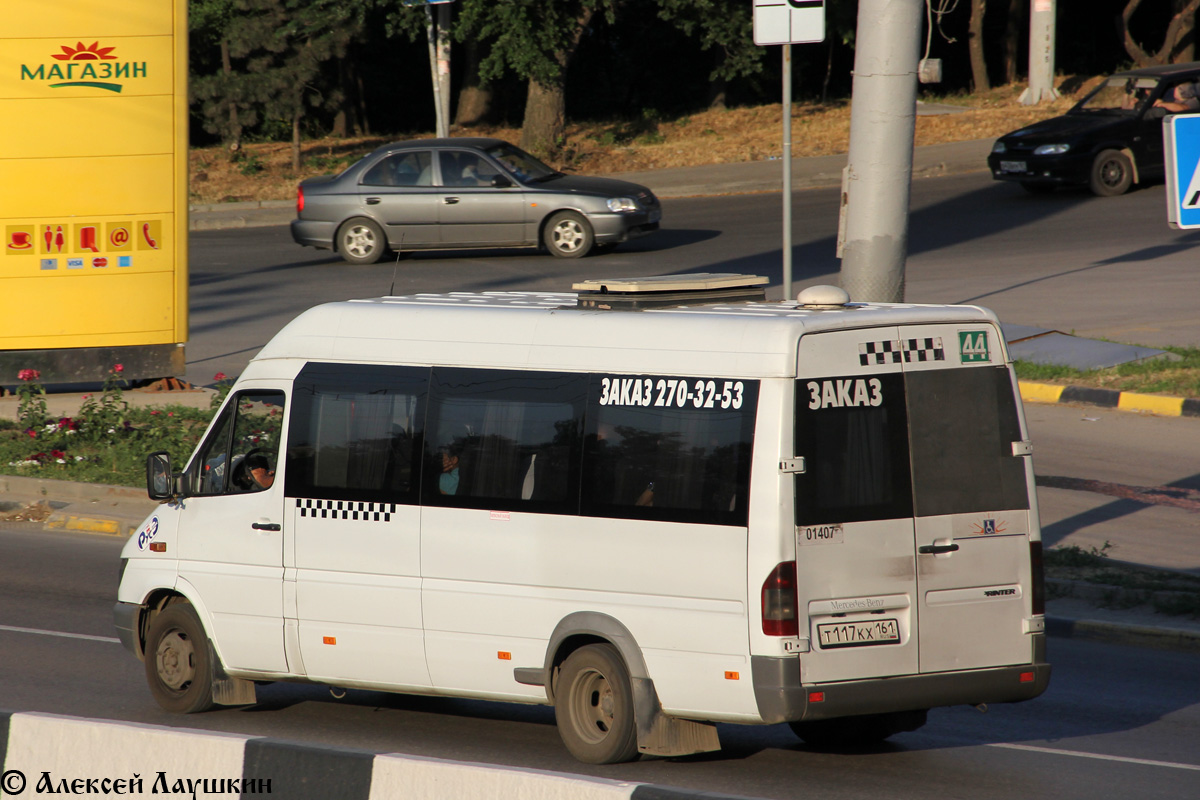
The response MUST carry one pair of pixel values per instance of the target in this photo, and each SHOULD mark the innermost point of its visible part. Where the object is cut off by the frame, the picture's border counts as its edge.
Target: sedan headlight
(1051, 149)
(999, 147)
(620, 204)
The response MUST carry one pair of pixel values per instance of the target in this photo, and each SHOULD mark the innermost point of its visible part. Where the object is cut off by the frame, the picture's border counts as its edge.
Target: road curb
(1034, 392)
(1122, 633)
(68, 752)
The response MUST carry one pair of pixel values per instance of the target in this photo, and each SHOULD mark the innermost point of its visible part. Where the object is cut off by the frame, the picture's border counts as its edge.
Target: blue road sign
(1181, 141)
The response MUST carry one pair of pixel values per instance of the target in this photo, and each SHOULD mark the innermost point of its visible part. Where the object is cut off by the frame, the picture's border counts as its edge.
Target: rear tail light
(779, 601)
(1037, 590)
(299, 199)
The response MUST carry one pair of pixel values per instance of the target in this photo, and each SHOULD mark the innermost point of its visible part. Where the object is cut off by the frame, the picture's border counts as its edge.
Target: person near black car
(1181, 99)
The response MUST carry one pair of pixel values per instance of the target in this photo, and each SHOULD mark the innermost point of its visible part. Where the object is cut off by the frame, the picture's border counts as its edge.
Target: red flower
(29, 375)
(57, 454)
(118, 368)
(32, 433)
(220, 376)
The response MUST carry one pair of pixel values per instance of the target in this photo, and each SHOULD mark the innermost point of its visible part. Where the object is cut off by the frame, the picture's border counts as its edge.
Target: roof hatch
(658, 291)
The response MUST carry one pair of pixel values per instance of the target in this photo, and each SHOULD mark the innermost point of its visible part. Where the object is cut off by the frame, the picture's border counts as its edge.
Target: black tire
(1112, 174)
(593, 706)
(568, 235)
(857, 731)
(360, 241)
(1033, 187)
(178, 667)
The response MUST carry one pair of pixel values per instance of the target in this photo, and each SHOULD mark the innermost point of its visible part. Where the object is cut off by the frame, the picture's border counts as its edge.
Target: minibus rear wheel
(857, 731)
(178, 665)
(594, 706)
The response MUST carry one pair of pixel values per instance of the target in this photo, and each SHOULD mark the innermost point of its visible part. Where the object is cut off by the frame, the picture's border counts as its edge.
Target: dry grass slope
(264, 171)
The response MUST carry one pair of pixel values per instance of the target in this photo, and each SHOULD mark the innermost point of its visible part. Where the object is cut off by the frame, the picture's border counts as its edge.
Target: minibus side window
(853, 435)
(504, 440)
(241, 452)
(355, 433)
(672, 449)
(964, 422)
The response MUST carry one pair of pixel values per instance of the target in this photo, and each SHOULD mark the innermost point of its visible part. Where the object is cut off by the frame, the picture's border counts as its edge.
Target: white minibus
(655, 504)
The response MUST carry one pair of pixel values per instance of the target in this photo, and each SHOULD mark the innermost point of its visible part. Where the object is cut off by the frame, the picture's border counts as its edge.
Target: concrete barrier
(44, 754)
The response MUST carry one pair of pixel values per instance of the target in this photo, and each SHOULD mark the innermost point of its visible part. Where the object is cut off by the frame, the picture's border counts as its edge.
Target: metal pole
(787, 172)
(878, 177)
(1041, 53)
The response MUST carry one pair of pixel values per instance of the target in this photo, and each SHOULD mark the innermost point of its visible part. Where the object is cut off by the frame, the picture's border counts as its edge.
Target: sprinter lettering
(844, 393)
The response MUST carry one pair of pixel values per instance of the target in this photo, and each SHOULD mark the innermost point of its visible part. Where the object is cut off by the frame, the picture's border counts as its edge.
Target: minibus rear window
(963, 424)
(853, 436)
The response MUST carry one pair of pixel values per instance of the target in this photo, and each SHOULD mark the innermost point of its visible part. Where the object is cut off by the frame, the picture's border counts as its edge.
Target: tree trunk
(545, 104)
(296, 139)
(1012, 38)
(1180, 30)
(234, 139)
(474, 98)
(1185, 49)
(545, 117)
(718, 86)
(975, 46)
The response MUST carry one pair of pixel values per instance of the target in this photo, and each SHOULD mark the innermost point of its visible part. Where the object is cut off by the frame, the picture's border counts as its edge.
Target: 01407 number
(671, 392)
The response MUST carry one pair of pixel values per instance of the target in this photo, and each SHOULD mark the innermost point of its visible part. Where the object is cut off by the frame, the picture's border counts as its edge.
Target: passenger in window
(1180, 100)
(448, 480)
(646, 498)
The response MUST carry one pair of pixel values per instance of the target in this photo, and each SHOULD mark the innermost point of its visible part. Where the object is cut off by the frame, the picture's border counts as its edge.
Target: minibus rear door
(971, 500)
(855, 559)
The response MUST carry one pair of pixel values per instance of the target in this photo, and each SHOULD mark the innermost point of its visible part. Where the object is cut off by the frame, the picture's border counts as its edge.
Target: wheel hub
(568, 236)
(175, 654)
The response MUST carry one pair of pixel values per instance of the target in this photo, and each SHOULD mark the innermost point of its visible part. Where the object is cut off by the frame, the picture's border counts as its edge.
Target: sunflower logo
(92, 52)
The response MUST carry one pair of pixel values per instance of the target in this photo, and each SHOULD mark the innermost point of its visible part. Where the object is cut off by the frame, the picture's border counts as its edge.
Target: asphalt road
(1100, 268)
(1115, 722)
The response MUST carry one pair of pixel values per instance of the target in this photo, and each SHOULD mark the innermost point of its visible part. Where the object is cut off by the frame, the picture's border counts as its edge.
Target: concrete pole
(438, 34)
(1041, 53)
(787, 172)
(878, 177)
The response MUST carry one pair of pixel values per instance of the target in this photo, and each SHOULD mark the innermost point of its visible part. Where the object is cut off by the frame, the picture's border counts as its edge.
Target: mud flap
(227, 691)
(660, 735)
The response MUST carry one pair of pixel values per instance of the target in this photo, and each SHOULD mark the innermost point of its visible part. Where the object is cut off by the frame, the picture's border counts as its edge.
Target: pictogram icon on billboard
(53, 239)
(149, 235)
(85, 238)
(18, 239)
(120, 236)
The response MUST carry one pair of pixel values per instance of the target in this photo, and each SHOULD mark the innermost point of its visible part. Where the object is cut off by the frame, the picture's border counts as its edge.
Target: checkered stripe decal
(872, 353)
(927, 349)
(894, 351)
(346, 509)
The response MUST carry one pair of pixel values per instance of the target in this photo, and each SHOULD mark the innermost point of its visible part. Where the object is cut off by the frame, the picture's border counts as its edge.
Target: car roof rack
(658, 291)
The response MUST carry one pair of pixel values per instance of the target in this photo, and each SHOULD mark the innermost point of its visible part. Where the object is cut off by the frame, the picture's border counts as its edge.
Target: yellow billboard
(93, 188)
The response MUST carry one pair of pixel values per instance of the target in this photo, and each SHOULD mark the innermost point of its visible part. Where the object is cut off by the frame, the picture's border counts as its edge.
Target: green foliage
(250, 165)
(723, 26)
(1177, 375)
(1076, 556)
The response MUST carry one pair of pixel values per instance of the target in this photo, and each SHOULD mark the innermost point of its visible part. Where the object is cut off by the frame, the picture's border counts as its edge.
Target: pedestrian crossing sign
(1181, 141)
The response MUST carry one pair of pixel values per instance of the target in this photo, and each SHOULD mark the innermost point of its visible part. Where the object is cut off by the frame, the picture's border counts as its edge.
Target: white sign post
(439, 59)
(788, 22)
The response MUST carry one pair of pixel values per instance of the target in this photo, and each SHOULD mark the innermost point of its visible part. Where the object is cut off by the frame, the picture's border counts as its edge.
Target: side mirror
(501, 182)
(160, 481)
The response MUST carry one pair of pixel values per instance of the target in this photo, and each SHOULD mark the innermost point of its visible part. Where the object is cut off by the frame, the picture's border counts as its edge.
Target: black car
(1108, 141)
(466, 192)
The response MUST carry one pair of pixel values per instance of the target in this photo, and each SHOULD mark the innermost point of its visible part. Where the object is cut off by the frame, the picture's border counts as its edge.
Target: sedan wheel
(568, 235)
(1112, 174)
(360, 241)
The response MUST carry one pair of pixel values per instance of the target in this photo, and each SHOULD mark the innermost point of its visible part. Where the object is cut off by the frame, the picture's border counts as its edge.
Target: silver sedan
(440, 194)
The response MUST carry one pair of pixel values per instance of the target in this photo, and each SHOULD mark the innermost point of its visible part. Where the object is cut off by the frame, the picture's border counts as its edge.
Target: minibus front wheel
(178, 662)
(594, 706)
